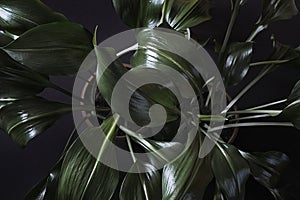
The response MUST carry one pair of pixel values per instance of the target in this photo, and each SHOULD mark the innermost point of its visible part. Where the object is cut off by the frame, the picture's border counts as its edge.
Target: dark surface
(20, 169)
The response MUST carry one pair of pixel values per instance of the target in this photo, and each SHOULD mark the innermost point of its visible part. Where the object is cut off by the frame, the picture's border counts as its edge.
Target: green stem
(249, 117)
(257, 30)
(268, 62)
(268, 105)
(272, 113)
(130, 148)
(230, 26)
(250, 124)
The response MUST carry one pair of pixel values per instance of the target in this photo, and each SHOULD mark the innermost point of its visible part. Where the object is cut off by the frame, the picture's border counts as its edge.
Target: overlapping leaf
(57, 48)
(4, 39)
(18, 16)
(25, 119)
(236, 62)
(182, 14)
(85, 177)
(139, 186)
(231, 171)
(139, 13)
(266, 167)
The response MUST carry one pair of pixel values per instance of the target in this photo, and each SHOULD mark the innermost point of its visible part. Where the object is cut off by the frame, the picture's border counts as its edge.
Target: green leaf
(182, 14)
(25, 119)
(85, 177)
(236, 63)
(4, 39)
(57, 48)
(266, 167)
(231, 171)
(17, 81)
(46, 189)
(139, 186)
(295, 94)
(275, 10)
(179, 176)
(292, 113)
(18, 16)
(138, 13)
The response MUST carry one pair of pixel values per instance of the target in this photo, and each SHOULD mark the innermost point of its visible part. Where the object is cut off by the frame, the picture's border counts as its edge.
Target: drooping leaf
(46, 189)
(139, 13)
(18, 16)
(182, 14)
(85, 177)
(275, 10)
(266, 167)
(231, 171)
(139, 186)
(57, 48)
(18, 81)
(179, 176)
(236, 62)
(25, 119)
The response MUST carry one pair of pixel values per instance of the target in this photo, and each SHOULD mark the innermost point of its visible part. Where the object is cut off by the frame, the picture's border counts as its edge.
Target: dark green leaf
(25, 119)
(231, 171)
(292, 113)
(236, 62)
(240, 2)
(18, 81)
(18, 16)
(138, 13)
(57, 48)
(139, 186)
(180, 175)
(4, 39)
(295, 94)
(266, 167)
(85, 177)
(46, 189)
(274, 10)
(182, 14)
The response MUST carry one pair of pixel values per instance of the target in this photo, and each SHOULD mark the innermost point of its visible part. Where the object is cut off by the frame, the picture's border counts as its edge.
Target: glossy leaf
(274, 10)
(231, 171)
(178, 176)
(56, 48)
(4, 39)
(85, 177)
(18, 16)
(266, 167)
(18, 81)
(292, 113)
(295, 94)
(139, 13)
(182, 14)
(25, 119)
(139, 186)
(236, 63)
(46, 189)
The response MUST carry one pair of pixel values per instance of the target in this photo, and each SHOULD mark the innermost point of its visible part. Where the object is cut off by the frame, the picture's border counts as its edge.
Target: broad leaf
(56, 48)
(18, 16)
(139, 13)
(274, 10)
(25, 119)
(266, 167)
(178, 176)
(18, 81)
(236, 62)
(139, 186)
(4, 39)
(85, 177)
(46, 189)
(231, 171)
(182, 14)
(292, 113)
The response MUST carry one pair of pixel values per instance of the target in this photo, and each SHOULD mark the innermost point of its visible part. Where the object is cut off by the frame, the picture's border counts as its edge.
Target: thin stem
(268, 62)
(268, 105)
(270, 112)
(248, 87)
(230, 26)
(250, 124)
(132, 48)
(256, 31)
(249, 117)
(130, 148)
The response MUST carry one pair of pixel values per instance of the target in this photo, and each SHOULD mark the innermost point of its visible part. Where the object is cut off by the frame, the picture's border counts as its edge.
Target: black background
(20, 169)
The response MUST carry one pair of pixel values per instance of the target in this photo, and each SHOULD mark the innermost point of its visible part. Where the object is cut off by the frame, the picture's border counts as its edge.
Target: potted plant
(38, 43)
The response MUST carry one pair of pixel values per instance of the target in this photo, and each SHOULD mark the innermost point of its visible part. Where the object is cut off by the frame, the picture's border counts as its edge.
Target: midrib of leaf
(230, 165)
(39, 116)
(23, 18)
(102, 149)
